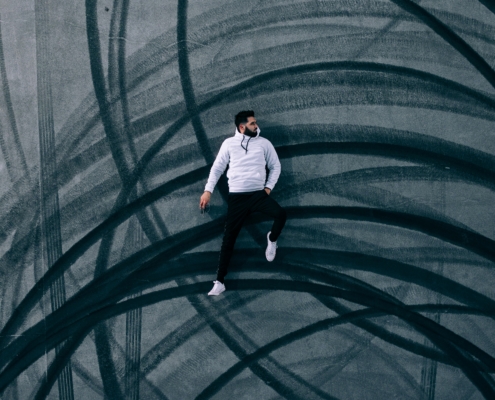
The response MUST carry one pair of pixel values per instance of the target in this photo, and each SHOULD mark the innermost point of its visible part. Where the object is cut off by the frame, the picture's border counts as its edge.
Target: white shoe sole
(216, 293)
(266, 251)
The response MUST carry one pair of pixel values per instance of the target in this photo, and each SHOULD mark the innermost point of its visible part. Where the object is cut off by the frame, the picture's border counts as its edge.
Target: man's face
(251, 125)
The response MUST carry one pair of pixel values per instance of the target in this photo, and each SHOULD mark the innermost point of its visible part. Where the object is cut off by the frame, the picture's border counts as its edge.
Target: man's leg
(238, 210)
(270, 207)
(267, 205)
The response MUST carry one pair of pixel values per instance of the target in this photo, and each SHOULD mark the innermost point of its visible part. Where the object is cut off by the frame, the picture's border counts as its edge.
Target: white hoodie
(246, 168)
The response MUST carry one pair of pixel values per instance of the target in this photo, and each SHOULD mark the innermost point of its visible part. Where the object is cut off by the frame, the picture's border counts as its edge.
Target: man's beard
(249, 132)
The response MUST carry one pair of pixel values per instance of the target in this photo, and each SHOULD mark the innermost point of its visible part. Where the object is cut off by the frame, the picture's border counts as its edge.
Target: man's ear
(242, 127)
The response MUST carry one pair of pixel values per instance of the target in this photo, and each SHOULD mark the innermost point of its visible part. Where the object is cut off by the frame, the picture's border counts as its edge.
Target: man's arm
(274, 167)
(216, 172)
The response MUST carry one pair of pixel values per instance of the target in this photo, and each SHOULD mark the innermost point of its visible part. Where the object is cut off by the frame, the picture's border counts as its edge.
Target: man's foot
(218, 288)
(271, 249)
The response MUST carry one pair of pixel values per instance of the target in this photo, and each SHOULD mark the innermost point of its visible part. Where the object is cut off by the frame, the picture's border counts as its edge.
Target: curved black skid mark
(451, 37)
(80, 247)
(121, 289)
(443, 338)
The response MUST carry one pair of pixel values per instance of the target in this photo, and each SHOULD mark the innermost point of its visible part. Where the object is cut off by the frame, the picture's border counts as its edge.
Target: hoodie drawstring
(247, 144)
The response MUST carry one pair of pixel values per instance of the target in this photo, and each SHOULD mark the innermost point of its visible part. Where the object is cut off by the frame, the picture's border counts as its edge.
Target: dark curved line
(264, 351)
(346, 133)
(59, 319)
(294, 258)
(118, 86)
(173, 246)
(49, 195)
(69, 348)
(306, 134)
(395, 340)
(70, 256)
(118, 93)
(395, 269)
(450, 37)
(192, 109)
(110, 382)
(371, 89)
(150, 192)
(139, 56)
(170, 343)
(95, 383)
(482, 381)
(55, 369)
(386, 267)
(101, 94)
(117, 64)
(364, 66)
(237, 28)
(219, 97)
(375, 330)
(106, 366)
(471, 241)
(306, 10)
(420, 323)
(279, 378)
(187, 330)
(451, 175)
(368, 177)
(85, 313)
(12, 120)
(99, 85)
(75, 251)
(488, 4)
(437, 172)
(377, 67)
(151, 152)
(186, 82)
(370, 327)
(428, 254)
(265, 374)
(159, 40)
(338, 185)
(472, 170)
(472, 165)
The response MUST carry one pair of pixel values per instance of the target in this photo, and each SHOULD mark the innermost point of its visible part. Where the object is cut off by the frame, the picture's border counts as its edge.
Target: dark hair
(242, 117)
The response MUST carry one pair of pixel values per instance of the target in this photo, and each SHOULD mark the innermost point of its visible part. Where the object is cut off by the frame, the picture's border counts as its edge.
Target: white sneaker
(271, 249)
(218, 288)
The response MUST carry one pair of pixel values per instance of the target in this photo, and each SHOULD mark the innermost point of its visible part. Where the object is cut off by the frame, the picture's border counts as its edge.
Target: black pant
(240, 205)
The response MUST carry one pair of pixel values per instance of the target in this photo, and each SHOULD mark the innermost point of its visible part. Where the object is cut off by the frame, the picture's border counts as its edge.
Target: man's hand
(268, 191)
(205, 199)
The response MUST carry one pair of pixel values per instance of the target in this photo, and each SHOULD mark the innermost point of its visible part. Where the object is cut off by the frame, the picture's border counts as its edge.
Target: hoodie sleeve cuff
(209, 189)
